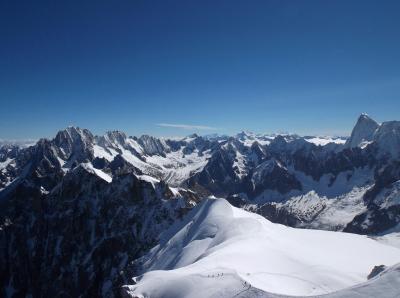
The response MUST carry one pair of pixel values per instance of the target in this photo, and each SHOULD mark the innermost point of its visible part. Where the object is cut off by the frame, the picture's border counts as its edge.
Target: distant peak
(244, 134)
(365, 118)
(115, 133)
(146, 137)
(194, 135)
(73, 133)
(363, 131)
(74, 130)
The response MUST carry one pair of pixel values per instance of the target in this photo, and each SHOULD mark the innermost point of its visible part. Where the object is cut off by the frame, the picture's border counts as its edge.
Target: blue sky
(177, 67)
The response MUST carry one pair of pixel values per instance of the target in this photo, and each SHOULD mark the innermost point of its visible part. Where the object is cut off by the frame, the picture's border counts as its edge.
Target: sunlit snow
(223, 247)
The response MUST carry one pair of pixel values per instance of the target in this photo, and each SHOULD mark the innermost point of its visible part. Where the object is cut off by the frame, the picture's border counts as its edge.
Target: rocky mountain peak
(387, 137)
(73, 135)
(152, 145)
(193, 136)
(363, 132)
(74, 141)
(243, 135)
(115, 137)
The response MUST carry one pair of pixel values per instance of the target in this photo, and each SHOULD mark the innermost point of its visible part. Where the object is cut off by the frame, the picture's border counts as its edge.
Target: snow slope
(174, 166)
(391, 237)
(319, 212)
(89, 167)
(386, 284)
(177, 167)
(221, 251)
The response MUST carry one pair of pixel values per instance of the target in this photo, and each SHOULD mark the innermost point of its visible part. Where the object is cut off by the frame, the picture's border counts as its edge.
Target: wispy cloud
(187, 126)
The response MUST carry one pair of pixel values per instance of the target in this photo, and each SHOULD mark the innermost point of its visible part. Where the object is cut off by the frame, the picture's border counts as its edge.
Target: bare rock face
(83, 235)
(376, 270)
(363, 132)
(152, 145)
(75, 143)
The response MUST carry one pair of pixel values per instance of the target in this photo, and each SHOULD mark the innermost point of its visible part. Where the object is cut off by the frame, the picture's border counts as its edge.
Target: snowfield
(174, 168)
(89, 167)
(320, 212)
(322, 141)
(222, 251)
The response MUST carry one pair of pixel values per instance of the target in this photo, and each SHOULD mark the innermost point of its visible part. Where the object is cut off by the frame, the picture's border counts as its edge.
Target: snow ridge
(219, 246)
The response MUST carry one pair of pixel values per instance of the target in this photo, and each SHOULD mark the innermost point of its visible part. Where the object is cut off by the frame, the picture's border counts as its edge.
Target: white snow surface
(174, 168)
(99, 173)
(247, 138)
(390, 237)
(342, 184)
(5, 163)
(319, 212)
(177, 167)
(221, 251)
(322, 141)
(384, 285)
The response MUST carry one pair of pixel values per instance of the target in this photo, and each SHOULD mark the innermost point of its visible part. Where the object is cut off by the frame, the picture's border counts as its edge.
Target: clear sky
(177, 67)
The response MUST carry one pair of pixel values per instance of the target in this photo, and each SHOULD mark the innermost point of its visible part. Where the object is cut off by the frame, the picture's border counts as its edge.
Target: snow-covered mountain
(223, 251)
(121, 192)
(261, 170)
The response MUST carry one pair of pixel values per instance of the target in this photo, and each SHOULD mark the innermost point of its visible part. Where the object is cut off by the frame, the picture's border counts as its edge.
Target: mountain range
(84, 211)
